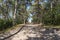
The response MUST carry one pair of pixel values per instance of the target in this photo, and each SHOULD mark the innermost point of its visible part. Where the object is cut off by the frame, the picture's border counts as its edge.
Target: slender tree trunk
(14, 15)
(51, 6)
(24, 21)
(25, 14)
(51, 12)
(41, 18)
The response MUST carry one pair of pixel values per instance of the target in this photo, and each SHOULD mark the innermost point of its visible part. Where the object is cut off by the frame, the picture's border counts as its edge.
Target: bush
(19, 21)
(4, 24)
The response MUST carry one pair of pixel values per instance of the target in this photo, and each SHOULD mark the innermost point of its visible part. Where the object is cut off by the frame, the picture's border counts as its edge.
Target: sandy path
(25, 33)
(36, 33)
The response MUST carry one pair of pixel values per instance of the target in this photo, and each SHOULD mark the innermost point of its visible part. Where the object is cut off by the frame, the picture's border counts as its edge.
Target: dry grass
(50, 26)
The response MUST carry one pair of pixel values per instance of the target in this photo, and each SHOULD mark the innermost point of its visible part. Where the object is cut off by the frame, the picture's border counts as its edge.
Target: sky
(30, 16)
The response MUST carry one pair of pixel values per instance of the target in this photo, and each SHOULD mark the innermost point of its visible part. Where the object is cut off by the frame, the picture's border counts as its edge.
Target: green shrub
(4, 24)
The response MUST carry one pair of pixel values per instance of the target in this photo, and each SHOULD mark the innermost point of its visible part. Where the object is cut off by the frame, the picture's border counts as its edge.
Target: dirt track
(37, 33)
(34, 32)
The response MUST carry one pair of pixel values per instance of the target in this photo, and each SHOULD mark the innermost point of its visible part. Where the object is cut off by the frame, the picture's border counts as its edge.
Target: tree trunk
(24, 21)
(14, 15)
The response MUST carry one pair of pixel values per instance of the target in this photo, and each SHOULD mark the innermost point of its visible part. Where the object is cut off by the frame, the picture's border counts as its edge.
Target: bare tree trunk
(25, 12)
(24, 21)
(14, 15)
(41, 18)
(51, 6)
(51, 10)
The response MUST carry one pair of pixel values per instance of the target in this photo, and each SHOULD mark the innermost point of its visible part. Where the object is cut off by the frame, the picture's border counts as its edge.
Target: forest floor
(33, 32)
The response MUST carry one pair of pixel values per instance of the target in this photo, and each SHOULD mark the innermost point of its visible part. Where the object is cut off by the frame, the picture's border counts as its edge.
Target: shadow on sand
(48, 34)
